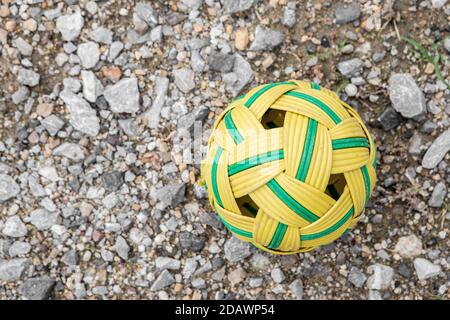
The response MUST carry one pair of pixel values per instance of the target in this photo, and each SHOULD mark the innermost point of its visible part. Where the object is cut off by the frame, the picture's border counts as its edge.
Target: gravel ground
(99, 187)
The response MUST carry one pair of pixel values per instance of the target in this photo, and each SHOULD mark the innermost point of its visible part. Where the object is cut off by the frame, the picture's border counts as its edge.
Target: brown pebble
(112, 73)
(10, 25)
(30, 25)
(44, 109)
(241, 39)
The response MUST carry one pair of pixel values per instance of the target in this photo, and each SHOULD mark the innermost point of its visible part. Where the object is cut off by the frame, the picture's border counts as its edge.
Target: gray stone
(71, 151)
(102, 35)
(82, 117)
(52, 14)
(70, 26)
(5, 244)
(241, 75)
(8, 188)
(197, 62)
(233, 6)
(374, 295)
(165, 279)
(266, 39)
(14, 227)
(191, 241)
(91, 7)
(24, 47)
(13, 269)
(156, 34)
(114, 50)
(381, 277)
(237, 276)
(129, 127)
(260, 262)
(70, 258)
(351, 90)
(438, 3)
(193, 4)
(236, 250)
(172, 194)
(356, 277)
(152, 115)
(112, 180)
(378, 56)
(123, 97)
(122, 248)
(350, 68)
(437, 150)
(346, 13)
(20, 95)
(438, 195)
(72, 85)
(288, 19)
(49, 173)
(189, 268)
(89, 54)
(19, 248)
(184, 79)
(425, 269)
(406, 96)
(221, 62)
(38, 288)
(389, 119)
(52, 124)
(92, 87)
(43, 219)
(277, 275)
(296, 288)
(146, 13)
(408, 246)
(167, 263)
(28, 77)
(447, 44)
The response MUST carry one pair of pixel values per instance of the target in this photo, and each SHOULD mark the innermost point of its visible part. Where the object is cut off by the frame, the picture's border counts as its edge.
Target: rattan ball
(289, 167)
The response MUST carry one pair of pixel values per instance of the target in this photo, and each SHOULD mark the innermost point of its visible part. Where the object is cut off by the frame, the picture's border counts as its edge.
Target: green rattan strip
(331, 229)
(232, 129)
(307, 150)
(278, 236)
(255, 161)
(350, 143)
(258, 93)
(214, 176)
(291, 202)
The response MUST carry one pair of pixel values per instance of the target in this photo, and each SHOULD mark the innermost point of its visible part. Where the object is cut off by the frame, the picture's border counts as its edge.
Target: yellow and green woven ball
(289, 167)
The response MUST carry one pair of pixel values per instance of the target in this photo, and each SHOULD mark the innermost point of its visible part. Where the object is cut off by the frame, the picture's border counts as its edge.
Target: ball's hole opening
(336, 186)
(273, 119)
(247, 206)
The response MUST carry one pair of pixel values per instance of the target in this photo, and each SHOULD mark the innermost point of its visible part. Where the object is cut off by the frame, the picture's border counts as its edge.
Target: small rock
(43, 219)
(165, 279)
(102, 35)
(438, 195)
(381, 277)
(92, 87)
(389, 119)
(82, 117)
(351, 90)
(220, 61)
(146, 13)
(241, 39)
(277, 275)
(28, 77)
(288, 19)
(171, 194)
(296, 288)
(184, 79)
(260, 262)
(37, 288)
(24, 47)
(266, 39)
(349, 68)
(112, 180)
(437, 150)
(153, 113)
(447, 44)
(89, 54)
(237, 276)
(236, 250)
(71, 151)
(20, 95)
(122, 248)
(406, 96)
(70, 26)
(52, 124)
(70, 258)
(13, 270)
(123, 97)
(191, 241)
(356, 277)
(167, 263)
(241, 75)
(8, 188)
(19, 248)
(425, 269)
(44, 109)
(346, 13)
(438, 3)
(409, 246)
(233, 6)
(14, 227)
